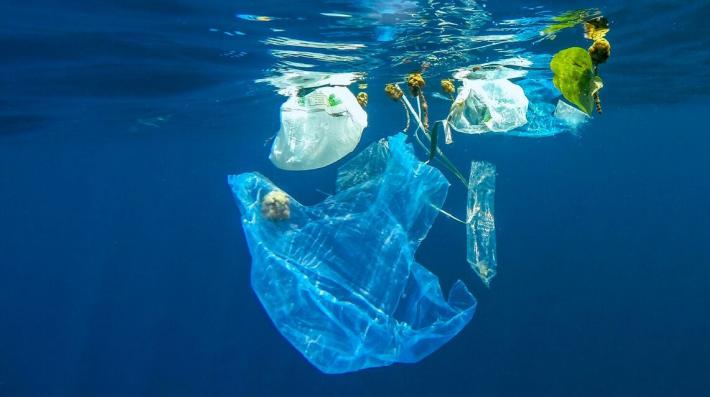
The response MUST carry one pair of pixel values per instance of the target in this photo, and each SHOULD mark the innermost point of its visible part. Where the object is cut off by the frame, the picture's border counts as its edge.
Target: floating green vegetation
(569, 19)
(574, 76)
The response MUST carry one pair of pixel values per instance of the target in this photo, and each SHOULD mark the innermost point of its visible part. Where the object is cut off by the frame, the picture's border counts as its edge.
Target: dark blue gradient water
(124, 270)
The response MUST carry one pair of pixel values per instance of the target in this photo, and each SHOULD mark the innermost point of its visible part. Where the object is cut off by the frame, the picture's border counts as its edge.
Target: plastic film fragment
(480, 223)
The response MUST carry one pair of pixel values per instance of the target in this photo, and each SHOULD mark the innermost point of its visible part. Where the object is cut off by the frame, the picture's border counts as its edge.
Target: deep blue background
(124, 271)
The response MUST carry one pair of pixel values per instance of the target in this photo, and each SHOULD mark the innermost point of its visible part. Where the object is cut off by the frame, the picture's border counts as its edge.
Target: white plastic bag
(318, 129)
(488, 105)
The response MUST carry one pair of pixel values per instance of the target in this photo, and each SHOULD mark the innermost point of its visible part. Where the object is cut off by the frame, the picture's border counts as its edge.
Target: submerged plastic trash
(480, 224)
(318, 129)
(488, 105)
(575, 78)
(542, 95)
(542, 122)
(339, 279)
(570, 115)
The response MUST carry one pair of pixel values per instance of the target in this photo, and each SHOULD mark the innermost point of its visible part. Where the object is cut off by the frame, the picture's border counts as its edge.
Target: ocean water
(123, 266)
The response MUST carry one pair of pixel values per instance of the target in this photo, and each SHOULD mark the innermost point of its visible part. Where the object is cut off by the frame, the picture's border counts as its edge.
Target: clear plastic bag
(488, 106)
(318, 129)
(339, 278)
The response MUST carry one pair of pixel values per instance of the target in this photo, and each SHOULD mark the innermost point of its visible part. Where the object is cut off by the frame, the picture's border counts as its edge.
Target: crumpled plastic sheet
(570, 115)
(339, 279)
(480, 222)
(544, 118)
(488, 106)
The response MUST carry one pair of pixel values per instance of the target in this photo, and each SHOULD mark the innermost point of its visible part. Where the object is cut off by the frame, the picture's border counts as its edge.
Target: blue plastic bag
(339, 279)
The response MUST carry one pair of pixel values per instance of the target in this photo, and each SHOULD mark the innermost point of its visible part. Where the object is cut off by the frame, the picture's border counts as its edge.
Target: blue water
(123, 266)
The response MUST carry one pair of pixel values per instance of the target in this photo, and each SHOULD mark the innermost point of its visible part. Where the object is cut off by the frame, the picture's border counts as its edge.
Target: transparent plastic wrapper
(318, 129)
(570, 115)
(480, 223)
(543, 119)
(339, 279)
(488, 106)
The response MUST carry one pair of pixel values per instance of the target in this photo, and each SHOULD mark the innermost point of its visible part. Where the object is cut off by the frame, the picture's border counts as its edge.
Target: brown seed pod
(416, 82)
(447, 85)
(362, 99)
(394, 92)
(600, 51)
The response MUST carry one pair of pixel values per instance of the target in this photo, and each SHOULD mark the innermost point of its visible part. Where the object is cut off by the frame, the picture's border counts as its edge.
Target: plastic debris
(570, 115)
(541, 93)
(339, 279)
(488, 105)
(480, 223)
(318, 129)
(538, 88)
(541, 108)
(541, 123)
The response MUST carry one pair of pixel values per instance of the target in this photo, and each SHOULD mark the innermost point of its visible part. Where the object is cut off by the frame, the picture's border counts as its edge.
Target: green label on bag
(333, 100)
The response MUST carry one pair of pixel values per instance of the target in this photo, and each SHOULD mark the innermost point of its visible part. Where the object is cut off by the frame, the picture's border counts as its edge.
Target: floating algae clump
(447, 85)
(339, 279)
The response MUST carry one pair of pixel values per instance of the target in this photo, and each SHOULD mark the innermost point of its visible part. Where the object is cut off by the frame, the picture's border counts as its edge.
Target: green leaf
(575, 78)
